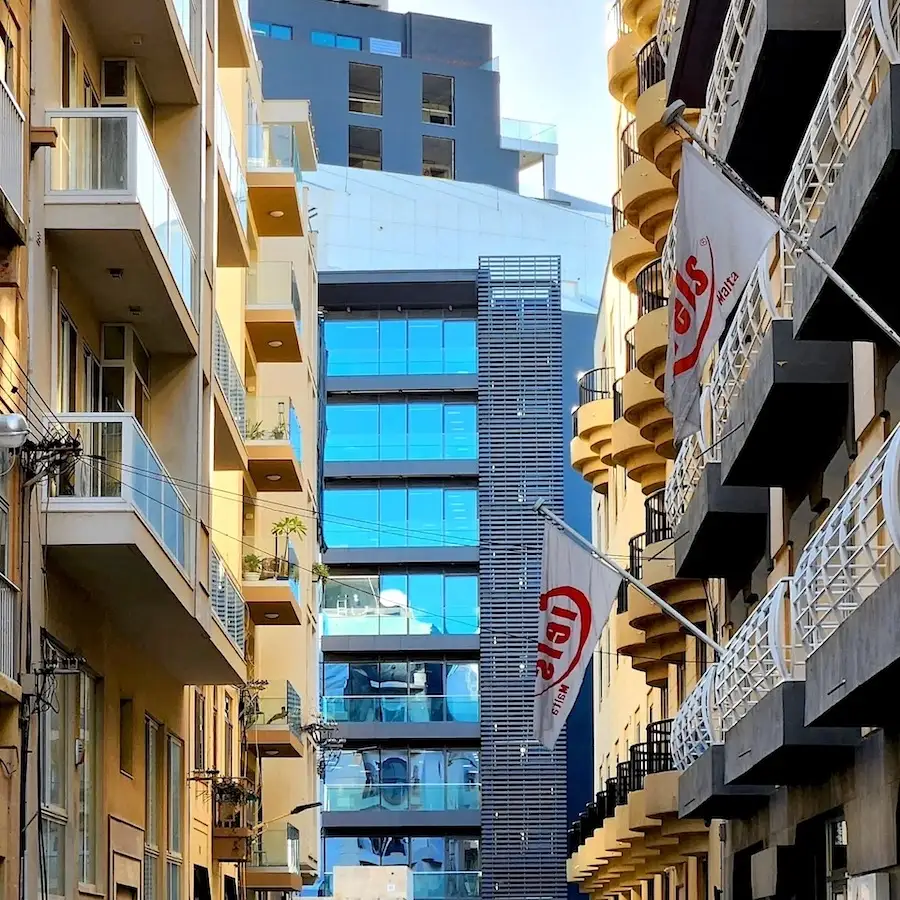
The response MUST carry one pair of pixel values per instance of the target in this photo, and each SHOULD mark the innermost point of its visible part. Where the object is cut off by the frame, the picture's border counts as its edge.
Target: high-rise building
(159, 332)
(784, 505)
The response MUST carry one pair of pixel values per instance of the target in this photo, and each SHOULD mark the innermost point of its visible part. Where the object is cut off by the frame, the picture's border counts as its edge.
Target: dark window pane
(365, 148)
(437, 99)
(365, 89)
(437, 157)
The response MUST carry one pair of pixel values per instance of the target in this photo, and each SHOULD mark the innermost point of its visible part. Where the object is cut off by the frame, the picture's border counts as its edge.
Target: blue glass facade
(400, 430)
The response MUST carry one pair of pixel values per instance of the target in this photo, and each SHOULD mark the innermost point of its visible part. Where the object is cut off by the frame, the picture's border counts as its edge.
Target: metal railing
(107, 156)
(636, 547)
(659, 749)
(854, 551)
(273, 419)
(630, 354)
(697, 725)
(227, 147)
(595, 384)
(656, 522)
(574, 421)
(760, 656)
(227, 600)
(12, 150)
(652, 288)
(650, 65)
(618, 215)
(234, 802)
(689, 465)
(229, 377)
(623, 778)
(738, 19)
(615, 17)
(628, 149)
(9, 628)
(118, 461)
(667, 260)
(440, 796)
(665, 28)
(618, 400)
(622, 597)
(273, 283)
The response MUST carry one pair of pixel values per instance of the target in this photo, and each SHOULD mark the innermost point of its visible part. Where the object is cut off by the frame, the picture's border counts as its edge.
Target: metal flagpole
(673, 116)
(541, 508)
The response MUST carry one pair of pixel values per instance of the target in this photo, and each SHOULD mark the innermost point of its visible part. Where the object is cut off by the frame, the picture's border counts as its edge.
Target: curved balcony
(648, 199)
(629, 251)
(644, 405)
(642, 16)
(632, 452)
(592, 421)
(621, 70)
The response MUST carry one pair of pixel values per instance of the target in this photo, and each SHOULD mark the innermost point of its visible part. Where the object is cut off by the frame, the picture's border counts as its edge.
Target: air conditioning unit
(121, 85)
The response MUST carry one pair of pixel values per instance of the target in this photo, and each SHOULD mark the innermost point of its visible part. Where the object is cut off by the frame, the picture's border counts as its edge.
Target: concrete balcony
(621, 68)
(646, 410)
(273, 313)
(641, 16)
(839, 188)
(656, 142)
(631, 451)
(275, 724)
(233, 250)
(651, 338)
(648, 200)
(115, 224)
(722, 530)
(230, 406)
(272, 592)
(10, 636)
(275, 180)
(168, 49)
(12, 168)
(762, 378)
(236, 49)
(274, 444)
(765, 45)
(592, 427)
(234, 818)
(629, 251)
(120, 528)
(275, 862)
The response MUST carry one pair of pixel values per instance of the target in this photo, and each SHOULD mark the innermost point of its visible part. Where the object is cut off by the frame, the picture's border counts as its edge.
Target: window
(69, 70)
(199, 731)
(57, 753)
(152, 785)
(87, 781)
(272, 30)
(8, 58)
(175, 814)
(365, 89)
(339, 41)
(215, 730)
(365, 148)
(437, 157)
(229, 736)
(435, 854)
(836, 858)
(437, 99)
(67, 364)
(126, 736)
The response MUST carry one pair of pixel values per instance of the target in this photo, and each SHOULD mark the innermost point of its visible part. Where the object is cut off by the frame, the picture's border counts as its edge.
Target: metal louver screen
(521, 444)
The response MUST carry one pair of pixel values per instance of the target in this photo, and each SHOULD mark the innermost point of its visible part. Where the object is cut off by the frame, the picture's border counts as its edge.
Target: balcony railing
(530, 132)
(697, 726)
(595, 385)
(369, 621)
(399, 796)
(650, 65)
(274, 146)
(227, 601)
(636, 547)
(856, 549)
(630, 355)
(124, 465)
(759, 657)
(622, 597)
(278, 847)
(860, 68)
(107, 156)
(618, 400)
(234, 803)
(9, 628)
(738, 19)
(628, 151)
(652, 288)
(273, 419)
(231, 157)
(187, 13)
(12, 150)
(427, 885)
(659, 749)
(690, 462)
(618, 215)
(229, 377)
(401, 709)
(273, 284)
(667, 260)
(665, 28)
(279, 706)
(656, 522)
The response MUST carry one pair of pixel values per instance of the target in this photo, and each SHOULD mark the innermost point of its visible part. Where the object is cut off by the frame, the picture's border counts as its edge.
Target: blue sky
(552, 69)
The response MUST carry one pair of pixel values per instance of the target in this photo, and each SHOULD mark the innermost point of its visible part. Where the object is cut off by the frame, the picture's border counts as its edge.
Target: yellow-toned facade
(159, 328)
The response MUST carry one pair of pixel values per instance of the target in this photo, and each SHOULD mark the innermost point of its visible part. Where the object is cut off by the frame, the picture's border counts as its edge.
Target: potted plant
(252, 565)
(255, 431)
(320, 572)
(278, 433)
(285, 528)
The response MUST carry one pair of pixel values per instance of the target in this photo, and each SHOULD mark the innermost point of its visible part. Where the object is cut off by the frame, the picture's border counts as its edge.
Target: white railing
(697, 725)
(119, 462)
(9, 627)
(852, 553)
(229, 377)
(862, 63)
(729, 54)
(665, 28)
(227, 147)
(689, 465)
(667, 260)
(760, 656)
(227, 600)
(12, 150)
(107, 156)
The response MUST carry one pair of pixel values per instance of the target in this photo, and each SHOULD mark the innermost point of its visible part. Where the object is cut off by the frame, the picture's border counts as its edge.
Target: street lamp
(297, 809)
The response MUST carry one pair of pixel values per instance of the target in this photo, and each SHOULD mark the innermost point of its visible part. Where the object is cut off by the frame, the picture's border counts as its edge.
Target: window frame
(429, 169)
(199, 730)
(89, 702)
(428, 112)
(380, 160)
(355, 64)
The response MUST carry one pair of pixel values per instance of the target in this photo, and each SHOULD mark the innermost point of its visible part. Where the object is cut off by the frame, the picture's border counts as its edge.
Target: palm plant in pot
(285, 528)
(252, 566)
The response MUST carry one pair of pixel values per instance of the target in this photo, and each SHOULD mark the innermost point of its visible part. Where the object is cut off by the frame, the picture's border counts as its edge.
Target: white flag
(722, 234)
(577, 593)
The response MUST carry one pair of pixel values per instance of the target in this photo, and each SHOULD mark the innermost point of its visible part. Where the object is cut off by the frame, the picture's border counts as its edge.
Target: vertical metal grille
(520, 459)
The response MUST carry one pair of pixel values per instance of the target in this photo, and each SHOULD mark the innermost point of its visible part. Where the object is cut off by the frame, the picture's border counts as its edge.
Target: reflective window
(400, 517)
(423, 854)
(401, 346)
(340, 41)
(400, 603)
(401, 430)
(392, 691)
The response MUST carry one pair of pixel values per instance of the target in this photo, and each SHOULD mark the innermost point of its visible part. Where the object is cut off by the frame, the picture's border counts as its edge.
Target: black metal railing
(622, 597)
(630, 354)
(659, 752)
(636, 547)
(650, 65)
(637, 766)
(610, 798)
(573, 838)
(623, 777)
(628, 152)
(656, 522)
(652, 289)
(595, 384)
(575, 422)
(618, 400)
(619, 220)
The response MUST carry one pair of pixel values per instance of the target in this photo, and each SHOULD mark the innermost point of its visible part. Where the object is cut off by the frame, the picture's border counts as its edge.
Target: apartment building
(784, 502)
(162, 636)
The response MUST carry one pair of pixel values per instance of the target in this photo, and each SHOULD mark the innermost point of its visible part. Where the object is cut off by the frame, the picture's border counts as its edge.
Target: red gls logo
(559, 632)
(699, 289)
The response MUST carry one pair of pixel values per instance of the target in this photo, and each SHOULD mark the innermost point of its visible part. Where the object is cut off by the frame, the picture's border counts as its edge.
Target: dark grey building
(445, 424)
(401, 92)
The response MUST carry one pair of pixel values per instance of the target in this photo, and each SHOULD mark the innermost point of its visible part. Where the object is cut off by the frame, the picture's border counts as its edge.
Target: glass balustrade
(401, 709)
(274, 284)
(273, 419)
(227, 601)
(231, 157)
(278, 706)
(273, 146)
(229, 377)
(402, 796)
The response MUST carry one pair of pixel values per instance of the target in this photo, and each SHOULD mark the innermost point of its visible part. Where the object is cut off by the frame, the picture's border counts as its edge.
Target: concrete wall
(431, 45)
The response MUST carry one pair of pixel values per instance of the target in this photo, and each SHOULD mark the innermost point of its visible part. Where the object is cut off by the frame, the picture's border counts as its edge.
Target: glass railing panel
(231, 157)
(401, 709)
(273, 283)
(108, 156)
(274, 419)
(186, 12)
(279, 705)
(274, 146)
(522, 130)
(229, 377)
(227, 600)
(12, 128)
(413, 796)
(278, 847)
